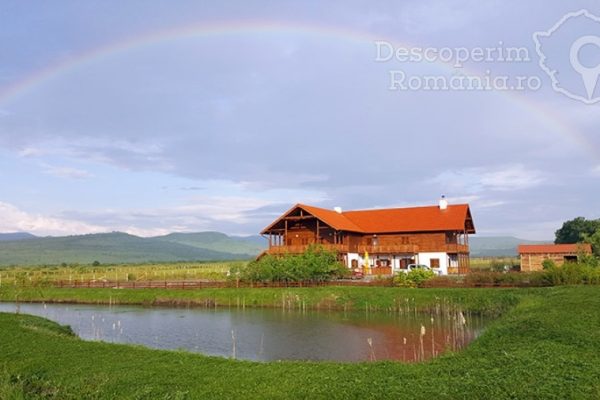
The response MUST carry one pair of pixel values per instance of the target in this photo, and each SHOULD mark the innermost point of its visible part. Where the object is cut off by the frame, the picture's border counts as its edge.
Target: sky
(150, 117)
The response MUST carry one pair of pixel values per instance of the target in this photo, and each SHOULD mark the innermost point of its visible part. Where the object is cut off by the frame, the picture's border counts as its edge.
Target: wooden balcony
(298, 249)
(389, 249)
(457, 248)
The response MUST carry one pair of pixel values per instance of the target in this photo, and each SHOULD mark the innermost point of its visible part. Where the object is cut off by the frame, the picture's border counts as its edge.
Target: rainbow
(550, 118)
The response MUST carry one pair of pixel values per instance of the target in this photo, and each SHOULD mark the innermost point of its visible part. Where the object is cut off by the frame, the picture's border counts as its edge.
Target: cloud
(241, 215)
(438, 16)
(515, 177)
(30, 151)
(230, 214)
(12, 219)
(477, 201)
(67, 172)
(504, 178)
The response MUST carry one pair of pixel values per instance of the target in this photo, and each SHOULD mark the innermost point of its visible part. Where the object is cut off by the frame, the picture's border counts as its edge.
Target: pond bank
(490, 302)
(544, 346)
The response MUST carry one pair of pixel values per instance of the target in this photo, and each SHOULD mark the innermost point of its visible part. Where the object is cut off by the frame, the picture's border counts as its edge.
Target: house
(533, 255)
(379, 241)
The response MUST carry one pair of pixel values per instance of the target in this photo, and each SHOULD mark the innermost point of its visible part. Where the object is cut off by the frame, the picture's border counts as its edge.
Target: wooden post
(317, 233)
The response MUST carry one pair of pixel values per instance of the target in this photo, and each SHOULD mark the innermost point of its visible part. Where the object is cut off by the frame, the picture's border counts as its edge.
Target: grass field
(482, 264)
(36, 275)
(543, 346)
(42, 275)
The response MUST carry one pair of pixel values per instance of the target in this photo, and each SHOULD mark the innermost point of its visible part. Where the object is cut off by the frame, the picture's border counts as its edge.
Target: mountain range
(498, 246)
(22, 248)
(117, 247)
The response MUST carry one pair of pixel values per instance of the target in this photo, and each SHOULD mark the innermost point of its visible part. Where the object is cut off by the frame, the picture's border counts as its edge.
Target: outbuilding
(533, 255)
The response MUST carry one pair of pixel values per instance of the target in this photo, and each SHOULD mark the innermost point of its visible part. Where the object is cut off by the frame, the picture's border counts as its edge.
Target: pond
(268, 334)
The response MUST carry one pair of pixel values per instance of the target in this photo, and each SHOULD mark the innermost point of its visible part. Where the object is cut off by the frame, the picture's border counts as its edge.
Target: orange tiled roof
(553, 248)
(411, 219)
(332, 218)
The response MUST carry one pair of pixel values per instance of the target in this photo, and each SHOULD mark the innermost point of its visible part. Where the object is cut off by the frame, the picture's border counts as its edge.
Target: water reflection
(268, 334)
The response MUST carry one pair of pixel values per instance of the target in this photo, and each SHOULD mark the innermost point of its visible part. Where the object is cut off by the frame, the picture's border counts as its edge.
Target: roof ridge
(405, 208)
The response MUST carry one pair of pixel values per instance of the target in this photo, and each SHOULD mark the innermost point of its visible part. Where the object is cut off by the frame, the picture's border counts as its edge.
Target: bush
(315, 264)
(572, 274)
(548, 264)
(414, 278)
(499, 266)
(401, 280)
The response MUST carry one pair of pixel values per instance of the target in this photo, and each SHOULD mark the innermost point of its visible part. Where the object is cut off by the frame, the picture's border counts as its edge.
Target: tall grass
(46, 275)
(368, 299)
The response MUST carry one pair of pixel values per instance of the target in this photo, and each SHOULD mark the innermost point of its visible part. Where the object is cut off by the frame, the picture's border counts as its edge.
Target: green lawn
(545, 345)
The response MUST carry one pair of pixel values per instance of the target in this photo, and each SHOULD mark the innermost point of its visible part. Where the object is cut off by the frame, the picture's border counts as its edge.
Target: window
(434, 263)
(453, 260)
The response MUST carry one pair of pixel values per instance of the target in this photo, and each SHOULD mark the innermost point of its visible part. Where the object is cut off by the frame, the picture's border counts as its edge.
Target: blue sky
(158, 116)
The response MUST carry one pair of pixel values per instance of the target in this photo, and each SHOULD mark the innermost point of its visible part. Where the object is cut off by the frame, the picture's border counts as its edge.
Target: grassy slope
(544, 347)
(215, 241)
(104, 247)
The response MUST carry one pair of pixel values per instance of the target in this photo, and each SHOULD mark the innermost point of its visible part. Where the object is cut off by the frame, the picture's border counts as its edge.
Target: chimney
(443, 203)
(337, 209)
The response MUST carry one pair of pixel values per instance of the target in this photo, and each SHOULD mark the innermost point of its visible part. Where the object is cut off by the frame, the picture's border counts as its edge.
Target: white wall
(353, 256)
(420, 258)
(425, 259)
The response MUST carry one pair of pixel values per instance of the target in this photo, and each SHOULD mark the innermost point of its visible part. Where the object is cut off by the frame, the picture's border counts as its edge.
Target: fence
(188, 284)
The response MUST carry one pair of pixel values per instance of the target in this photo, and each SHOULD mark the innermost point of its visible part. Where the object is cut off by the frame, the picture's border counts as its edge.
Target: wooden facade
(380, 241)
(533, 256)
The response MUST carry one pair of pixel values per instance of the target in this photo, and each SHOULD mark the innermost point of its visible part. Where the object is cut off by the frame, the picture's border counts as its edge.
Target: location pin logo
(589, 75)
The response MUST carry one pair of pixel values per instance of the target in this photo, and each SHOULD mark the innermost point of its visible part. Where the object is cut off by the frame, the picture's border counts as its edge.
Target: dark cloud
(305, 111)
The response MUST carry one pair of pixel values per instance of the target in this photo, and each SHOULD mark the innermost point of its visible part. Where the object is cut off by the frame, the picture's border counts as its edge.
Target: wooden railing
(301, 248)
(380, 271)
(457, 248)
(371, 249)
(389, 248)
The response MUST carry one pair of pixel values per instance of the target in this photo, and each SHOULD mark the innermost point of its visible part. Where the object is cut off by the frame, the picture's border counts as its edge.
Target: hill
(217, 241)
(497, 246)
(119, 247)
(16, 236)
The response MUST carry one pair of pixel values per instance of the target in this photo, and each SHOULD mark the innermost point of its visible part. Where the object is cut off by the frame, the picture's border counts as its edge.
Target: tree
(575, 230)
(594, 240)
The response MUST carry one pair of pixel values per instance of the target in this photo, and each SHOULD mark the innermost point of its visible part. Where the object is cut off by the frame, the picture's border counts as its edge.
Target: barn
(533, 255)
